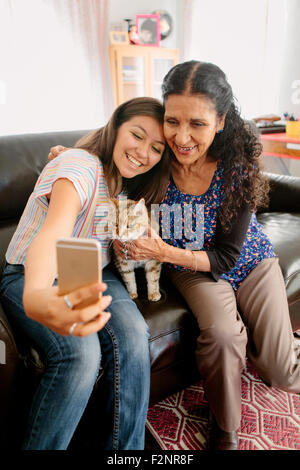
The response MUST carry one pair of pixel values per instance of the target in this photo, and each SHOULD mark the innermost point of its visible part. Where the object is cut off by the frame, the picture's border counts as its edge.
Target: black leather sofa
(173, 328)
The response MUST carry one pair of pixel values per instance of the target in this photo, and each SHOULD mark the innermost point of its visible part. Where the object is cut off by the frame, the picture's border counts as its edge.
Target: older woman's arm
(223, 256)
(228, 245)
(194, 260)
(221, 259)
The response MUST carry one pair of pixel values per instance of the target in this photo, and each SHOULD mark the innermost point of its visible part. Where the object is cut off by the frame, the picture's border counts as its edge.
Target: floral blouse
(253, 247)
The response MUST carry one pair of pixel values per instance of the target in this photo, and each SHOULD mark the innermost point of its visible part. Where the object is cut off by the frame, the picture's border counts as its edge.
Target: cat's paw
(154, 297)
(133, 295)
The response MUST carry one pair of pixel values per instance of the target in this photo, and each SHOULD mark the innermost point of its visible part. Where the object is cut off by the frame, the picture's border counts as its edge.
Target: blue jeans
(72, 368)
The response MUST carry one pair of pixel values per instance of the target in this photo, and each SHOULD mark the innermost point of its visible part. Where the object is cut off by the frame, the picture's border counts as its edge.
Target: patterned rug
(270, 418)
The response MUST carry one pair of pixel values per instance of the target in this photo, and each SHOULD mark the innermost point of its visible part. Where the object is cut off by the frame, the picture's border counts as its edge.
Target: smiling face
(139, 146)
(190, 126)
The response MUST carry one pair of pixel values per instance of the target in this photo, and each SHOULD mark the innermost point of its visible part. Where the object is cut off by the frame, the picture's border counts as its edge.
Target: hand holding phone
(86, 306)
(78, 265)
(79, 273)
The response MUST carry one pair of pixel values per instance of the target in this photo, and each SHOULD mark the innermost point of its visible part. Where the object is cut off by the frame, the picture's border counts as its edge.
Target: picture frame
(148, 29)
(119, 37)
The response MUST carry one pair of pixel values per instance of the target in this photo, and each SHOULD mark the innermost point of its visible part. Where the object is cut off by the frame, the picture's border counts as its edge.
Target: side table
(283, 147)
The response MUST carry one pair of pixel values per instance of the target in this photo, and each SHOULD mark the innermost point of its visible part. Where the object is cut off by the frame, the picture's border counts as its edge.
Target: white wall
(289, 97)
(279, 100)
(282, 52)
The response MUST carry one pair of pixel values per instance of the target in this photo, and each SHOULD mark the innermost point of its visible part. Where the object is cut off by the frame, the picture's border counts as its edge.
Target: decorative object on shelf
(292, 126)
(267, 118)
(269, 123)
(165, 23)
(119, 37)
(133, 35)
(289, 117)
(129, 22)
(293, 129)
(118, 26)
(148, 30)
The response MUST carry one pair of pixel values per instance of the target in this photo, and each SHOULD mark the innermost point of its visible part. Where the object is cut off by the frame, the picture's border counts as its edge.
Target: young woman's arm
(40, 298)
(64, 206)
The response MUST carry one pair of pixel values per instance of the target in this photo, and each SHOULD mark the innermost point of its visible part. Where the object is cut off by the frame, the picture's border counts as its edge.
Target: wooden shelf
(144, 61)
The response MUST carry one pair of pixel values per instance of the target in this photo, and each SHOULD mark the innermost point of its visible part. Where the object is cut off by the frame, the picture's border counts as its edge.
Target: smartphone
(79, 263)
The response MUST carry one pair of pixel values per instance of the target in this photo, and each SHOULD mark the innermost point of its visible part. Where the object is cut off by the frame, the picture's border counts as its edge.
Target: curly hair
(237, 146)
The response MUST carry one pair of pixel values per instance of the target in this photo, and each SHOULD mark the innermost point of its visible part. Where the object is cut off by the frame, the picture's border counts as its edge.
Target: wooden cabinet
(139, 70)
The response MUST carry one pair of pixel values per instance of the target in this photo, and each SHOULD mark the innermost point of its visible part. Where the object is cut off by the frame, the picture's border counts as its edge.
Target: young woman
(233, 283)
(70, 199)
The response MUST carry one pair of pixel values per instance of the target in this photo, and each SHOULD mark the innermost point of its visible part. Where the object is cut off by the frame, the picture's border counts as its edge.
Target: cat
(129, 220)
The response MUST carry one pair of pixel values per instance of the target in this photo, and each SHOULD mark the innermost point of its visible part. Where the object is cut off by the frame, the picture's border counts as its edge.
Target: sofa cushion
(284, 231)
(22, 159)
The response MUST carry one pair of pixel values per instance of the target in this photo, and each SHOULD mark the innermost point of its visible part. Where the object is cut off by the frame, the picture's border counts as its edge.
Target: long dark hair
(237, 146)
(151, 185)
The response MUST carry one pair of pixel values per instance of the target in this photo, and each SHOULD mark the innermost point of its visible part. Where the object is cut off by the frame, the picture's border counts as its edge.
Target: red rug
(270, 418)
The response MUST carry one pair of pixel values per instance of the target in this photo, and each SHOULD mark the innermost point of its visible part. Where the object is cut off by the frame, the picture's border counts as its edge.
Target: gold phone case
(78, 264)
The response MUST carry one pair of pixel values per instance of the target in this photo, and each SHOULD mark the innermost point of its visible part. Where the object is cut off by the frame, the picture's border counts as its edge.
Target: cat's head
(127, 219)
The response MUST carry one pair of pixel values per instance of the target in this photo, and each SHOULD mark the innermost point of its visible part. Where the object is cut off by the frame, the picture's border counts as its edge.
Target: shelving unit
(139, 70)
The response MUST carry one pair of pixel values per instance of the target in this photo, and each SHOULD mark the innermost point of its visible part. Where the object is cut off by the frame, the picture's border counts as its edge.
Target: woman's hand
(55, 151)
(150, 247)
(50, 309)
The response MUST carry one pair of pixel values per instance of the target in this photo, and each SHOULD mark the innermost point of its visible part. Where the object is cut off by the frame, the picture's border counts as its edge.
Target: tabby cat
(129, 220)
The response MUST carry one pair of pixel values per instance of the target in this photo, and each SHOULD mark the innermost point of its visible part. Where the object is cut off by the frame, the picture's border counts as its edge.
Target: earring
(220, 131)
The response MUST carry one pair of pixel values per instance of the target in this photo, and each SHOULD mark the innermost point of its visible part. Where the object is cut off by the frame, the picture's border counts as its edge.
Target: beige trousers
(253, 321)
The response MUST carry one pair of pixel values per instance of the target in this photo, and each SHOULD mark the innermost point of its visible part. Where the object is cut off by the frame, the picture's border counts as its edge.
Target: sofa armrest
(284, 193)
(9, 359)
(9, 356)
(10, 362)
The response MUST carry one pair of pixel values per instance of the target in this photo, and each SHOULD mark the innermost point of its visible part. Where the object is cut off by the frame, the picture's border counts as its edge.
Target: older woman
(231, 279)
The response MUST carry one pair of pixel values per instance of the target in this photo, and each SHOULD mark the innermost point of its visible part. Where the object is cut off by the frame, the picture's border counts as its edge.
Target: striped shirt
(86, 173)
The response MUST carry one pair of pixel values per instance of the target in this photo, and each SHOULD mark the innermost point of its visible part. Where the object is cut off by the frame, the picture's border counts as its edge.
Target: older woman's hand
(149, 247)
(56, 151)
